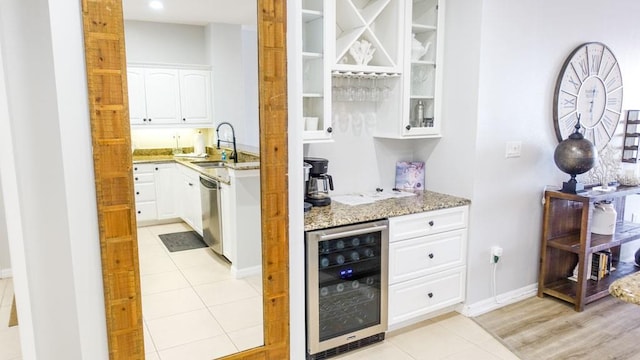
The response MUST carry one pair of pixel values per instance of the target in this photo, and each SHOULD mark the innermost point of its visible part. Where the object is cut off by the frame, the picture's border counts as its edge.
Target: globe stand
(572, 186)
(575, 155)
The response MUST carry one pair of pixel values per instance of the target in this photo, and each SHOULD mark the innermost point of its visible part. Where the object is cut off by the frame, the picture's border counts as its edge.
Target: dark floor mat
(179, 241)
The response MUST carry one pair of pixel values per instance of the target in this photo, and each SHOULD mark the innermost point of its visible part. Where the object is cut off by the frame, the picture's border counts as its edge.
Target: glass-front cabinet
(316, 96)
(376, 61)
(423, 64)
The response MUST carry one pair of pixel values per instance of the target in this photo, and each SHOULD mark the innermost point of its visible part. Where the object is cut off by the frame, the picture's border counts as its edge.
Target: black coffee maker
(319, 183)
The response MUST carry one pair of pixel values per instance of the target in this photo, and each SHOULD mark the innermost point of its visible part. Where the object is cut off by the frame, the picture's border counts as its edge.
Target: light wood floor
(547, 328)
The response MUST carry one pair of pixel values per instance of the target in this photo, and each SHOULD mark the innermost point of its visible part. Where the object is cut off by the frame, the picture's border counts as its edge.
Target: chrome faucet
(234, 154)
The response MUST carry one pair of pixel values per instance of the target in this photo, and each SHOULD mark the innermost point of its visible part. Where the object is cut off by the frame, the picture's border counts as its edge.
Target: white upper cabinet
(195, 96)
(316, 88)
(423, 68)
(368, 35)
(137, 96)
(169, 96)
(384, 55)
(162, 96)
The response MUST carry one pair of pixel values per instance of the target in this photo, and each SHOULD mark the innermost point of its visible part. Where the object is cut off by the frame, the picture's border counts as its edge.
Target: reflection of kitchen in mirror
(192, 77)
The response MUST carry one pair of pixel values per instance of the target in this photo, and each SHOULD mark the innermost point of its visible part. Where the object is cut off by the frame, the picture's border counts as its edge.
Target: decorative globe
(575, 155)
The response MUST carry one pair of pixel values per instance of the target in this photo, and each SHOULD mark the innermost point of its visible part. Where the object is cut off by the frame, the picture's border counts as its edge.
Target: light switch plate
(514, 149)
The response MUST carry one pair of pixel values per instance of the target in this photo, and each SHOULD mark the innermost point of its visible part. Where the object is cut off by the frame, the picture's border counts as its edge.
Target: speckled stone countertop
(627, 288)
(337, 214)
(221, 174)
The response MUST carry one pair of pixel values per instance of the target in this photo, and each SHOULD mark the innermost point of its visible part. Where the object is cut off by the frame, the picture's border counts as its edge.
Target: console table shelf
(567, 242)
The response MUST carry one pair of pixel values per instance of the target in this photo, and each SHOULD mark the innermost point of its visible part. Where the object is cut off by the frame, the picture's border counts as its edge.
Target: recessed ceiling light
(156, 5)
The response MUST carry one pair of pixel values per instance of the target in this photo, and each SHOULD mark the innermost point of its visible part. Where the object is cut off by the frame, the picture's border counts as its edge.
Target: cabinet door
(144, 192)
(165, 187)
(423, 68)
(427, 223)
(162, 96)
(316, 35)
(411, 299)
(146, 211)
(190, 206)
(195, 96)
(426, 255)
(137, 96)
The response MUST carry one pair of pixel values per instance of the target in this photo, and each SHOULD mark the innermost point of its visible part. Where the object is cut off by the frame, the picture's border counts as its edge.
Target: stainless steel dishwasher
(211, 214)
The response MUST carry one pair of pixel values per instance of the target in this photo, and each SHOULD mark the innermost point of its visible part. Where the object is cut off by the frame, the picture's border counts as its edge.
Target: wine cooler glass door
(346, 284)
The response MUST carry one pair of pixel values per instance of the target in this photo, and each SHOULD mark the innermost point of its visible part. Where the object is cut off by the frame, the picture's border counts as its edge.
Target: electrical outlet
(496, 254)
(514, 149)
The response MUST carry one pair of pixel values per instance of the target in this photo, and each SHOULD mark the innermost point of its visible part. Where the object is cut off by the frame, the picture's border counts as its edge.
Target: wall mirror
(106, 74)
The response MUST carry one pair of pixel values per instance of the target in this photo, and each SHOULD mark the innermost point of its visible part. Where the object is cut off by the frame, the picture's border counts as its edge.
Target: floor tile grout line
(157, 238)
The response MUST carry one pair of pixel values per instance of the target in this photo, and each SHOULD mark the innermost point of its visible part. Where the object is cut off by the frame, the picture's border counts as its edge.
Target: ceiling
(194, 12)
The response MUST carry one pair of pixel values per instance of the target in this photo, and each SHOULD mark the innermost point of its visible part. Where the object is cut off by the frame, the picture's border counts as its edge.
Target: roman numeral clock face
(589, 86)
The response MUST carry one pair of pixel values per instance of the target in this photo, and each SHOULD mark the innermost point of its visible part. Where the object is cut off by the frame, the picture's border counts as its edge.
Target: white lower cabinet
(144, 192)
(190, 205)
(411, 299)
(166, 178)
(154, 191)
(427, 263)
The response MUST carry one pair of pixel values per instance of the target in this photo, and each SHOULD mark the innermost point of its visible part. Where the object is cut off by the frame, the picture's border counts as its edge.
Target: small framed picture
(633, 115)
(410, 175)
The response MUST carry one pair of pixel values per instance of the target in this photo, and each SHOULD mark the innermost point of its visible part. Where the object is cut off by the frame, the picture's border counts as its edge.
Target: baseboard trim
(6, 273)
(484, 306)
(243, 273)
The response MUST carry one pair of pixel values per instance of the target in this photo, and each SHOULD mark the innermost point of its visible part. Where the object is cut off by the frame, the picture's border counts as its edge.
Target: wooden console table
(567, 241)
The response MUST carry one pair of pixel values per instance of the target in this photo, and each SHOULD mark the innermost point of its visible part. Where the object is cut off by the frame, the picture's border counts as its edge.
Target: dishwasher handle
(209, 184)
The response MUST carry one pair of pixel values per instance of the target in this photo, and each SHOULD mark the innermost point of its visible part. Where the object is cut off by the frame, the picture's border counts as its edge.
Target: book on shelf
(601, 266)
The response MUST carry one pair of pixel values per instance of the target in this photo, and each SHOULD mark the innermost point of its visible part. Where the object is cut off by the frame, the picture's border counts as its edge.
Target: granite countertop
(220, 174)
(627, 288)
(337, 214)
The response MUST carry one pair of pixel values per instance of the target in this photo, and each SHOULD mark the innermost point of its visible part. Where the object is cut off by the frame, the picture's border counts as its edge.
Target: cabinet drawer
(143, 168)
(427, 223)
(144, 192)
(425, 255)
(146, 211)
(421, 296)
(143, 178)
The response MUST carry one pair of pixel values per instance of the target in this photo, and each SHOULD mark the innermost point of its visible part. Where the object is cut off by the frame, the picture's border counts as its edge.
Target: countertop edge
(338, 214)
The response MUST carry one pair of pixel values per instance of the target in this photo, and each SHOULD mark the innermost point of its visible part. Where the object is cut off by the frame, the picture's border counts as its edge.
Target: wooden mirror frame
(111, 138)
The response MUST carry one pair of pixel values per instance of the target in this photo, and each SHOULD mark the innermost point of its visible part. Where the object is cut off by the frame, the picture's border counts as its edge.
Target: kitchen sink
(209, 164)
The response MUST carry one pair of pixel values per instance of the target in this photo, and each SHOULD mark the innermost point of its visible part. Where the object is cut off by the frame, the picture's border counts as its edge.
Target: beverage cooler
(346, 285)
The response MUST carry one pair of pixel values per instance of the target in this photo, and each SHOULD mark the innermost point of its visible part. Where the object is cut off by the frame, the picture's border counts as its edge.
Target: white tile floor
(451, 337)
(192, 307)
(184, 319)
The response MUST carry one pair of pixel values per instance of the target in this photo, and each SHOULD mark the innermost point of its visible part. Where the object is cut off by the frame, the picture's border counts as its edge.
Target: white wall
(251, 120)
(47, 179)
(233, 100)
(153, 42)
(502, 60)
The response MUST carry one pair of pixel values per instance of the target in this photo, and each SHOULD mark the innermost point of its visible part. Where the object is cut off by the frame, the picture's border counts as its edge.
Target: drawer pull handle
(431, 223)
(137, 192)
(430, 255)
(156, 169)
(430, 295)
(139, 212)
(136, 179)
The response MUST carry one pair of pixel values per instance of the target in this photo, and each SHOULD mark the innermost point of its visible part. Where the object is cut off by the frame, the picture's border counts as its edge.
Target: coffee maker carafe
(319, 182)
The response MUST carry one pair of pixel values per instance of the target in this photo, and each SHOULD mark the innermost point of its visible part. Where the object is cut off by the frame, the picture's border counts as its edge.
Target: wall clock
(589, 86)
